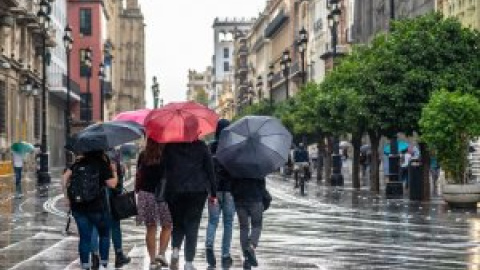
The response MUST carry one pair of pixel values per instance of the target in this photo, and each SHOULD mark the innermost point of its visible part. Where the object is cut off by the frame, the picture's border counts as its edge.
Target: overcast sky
(179, 37)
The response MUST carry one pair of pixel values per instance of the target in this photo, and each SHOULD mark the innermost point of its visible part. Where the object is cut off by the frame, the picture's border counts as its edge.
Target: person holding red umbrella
(189, 170)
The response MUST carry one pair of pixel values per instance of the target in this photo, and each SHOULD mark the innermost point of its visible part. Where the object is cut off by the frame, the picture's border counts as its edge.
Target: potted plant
(449, 122)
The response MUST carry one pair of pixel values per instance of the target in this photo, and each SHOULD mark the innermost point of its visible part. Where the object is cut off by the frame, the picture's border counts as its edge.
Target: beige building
(467, 11)
(199, 85)
(128, 68)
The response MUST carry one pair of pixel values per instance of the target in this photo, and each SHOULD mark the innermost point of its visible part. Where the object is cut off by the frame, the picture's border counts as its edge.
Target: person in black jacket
(190, 179)
(224, 206)
(248, 194)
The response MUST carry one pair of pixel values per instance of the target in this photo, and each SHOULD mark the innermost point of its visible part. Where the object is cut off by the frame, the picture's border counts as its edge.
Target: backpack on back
(85, 186)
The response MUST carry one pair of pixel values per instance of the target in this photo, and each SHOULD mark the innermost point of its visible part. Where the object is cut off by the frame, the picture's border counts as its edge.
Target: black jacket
(224, 179)
(189, 168)
(246, 190)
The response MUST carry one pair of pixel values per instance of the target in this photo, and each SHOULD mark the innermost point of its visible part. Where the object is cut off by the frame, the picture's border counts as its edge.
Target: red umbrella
(134, 116)
(180, 122)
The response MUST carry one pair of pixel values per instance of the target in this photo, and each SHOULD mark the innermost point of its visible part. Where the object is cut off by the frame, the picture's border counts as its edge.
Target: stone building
(468, 12)
(199, 85)
(374, 16)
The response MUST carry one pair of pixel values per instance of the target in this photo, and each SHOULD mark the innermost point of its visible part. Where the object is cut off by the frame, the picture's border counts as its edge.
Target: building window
(36, 118)
(84, 69)
(226, 66)
(3, 122)
(85, 103)
(226, 53)
(86, 21)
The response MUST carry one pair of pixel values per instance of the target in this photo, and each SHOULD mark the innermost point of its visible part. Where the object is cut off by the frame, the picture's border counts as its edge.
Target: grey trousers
(249, 214)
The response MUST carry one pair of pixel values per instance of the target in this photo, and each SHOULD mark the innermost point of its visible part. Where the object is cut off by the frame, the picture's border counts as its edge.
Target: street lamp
(68, 43)
(43, 175)
(88, 65)
(285, 66)
(270, 82)
(333, 22)
(302, 47)
(101, 77)
(250, 93)
(155, 92)
(260, 88)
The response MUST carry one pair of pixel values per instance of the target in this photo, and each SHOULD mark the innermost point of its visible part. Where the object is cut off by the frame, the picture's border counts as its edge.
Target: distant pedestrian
(116, 232)
(434, 170)
(405, 158)
(225, 207)
(248, 194)
(17, 159)
(301, 160)
(153, 211)
(84, 184)
(190, 180)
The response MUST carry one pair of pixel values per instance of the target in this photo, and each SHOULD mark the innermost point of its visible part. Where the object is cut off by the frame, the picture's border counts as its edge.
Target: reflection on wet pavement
(327, 229)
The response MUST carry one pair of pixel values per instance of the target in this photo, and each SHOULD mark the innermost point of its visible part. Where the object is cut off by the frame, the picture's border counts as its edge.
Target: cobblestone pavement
(329, 228)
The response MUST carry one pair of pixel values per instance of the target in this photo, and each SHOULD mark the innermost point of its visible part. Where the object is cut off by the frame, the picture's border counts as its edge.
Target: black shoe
(250, 255)
(212, 262)
(227, 262)
(247, 265)
(95, 261)
(121, 260)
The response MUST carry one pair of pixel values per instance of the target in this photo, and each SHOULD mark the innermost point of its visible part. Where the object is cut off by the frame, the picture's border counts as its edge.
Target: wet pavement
(329, 228)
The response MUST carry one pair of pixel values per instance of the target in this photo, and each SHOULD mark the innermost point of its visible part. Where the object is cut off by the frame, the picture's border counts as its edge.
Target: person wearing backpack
(116, 231)
(84, 184)
(225, 207)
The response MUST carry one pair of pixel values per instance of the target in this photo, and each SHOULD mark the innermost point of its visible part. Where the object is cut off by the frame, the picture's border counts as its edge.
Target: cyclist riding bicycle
(301, 161)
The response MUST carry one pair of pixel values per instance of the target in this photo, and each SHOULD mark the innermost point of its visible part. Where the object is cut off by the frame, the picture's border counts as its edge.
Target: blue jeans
(18, 179)
(116, 234)
(85, 224)
(225, 206)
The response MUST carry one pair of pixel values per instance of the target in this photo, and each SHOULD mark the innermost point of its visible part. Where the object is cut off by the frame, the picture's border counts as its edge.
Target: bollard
(415, 176)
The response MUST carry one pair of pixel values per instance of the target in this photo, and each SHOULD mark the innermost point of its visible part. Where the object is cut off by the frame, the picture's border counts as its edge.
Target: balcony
(258, 44)
(58, 86)
(243, 50)
(276, 24)
(242, 69)
(328, 53)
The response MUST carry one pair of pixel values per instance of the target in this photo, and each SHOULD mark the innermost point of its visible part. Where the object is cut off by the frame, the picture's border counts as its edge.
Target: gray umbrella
(104, 136)
(254, 146)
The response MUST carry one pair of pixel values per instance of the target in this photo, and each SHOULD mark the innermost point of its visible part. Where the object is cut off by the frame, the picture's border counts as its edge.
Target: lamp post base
(337, 178)
(43, 175)
(394, 190)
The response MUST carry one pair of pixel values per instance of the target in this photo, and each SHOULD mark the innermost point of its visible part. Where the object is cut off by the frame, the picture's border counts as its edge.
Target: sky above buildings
(179, 36)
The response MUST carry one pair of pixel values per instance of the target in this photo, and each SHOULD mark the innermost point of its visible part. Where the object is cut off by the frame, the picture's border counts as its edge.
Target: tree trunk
(327, 160)
(320, 159)
(374, 168)
(425, 159)
(356, 143)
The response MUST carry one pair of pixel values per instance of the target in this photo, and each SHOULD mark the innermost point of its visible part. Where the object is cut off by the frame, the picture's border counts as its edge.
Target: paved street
(327, 229)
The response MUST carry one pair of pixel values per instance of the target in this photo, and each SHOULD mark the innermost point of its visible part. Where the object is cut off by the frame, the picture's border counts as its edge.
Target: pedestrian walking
(248, 195)
(152, 210)
(190, 180)
(115, 228)
(17, 159)
(84, 185)
(301, 161)
(225, 207)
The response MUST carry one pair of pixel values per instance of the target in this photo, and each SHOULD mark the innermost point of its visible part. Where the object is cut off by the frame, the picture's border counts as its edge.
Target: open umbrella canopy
(129, 150)
(254, 146)
(22, 147)
(104, 136)
(402, 146)
(137, 116)
(180, 122)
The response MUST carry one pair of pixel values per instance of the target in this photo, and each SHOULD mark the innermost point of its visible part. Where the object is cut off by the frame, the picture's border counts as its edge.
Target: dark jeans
(85, 223)
(18, 179)
(251, 212)
(116, 234)
(186, 210)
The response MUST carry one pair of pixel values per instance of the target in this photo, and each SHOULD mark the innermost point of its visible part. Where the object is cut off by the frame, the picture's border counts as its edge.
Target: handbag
(267, 199)
(124, 205)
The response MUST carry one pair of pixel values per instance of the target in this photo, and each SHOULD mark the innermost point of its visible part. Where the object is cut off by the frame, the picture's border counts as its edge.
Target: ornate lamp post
(68, 42)
(88, 65)
(250, 94)
(270, 75)
(101, 77)
(43, 175)
(285, 66)
(302, 47)
(333, 21)
(260, 88)
(155, 92)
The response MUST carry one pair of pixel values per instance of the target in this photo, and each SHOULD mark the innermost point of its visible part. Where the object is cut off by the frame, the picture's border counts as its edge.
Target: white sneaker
(189, 266)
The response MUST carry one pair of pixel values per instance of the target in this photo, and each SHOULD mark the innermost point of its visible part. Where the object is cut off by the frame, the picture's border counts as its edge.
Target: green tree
(201, 96)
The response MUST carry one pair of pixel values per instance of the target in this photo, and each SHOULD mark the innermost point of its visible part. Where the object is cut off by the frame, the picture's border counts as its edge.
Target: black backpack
(84, 186)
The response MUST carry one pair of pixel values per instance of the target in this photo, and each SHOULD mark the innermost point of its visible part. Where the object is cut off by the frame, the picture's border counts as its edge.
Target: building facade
(199, 84)
(467, 11)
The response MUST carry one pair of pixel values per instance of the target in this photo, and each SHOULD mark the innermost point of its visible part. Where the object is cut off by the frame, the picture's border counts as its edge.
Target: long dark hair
(152, 154)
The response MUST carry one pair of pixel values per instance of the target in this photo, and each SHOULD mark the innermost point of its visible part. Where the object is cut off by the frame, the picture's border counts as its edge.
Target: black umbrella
(104, 136)
(254, 146)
